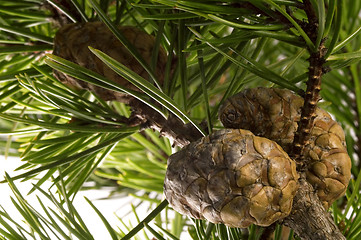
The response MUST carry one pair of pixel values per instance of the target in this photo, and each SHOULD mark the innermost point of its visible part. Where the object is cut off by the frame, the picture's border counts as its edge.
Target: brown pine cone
(232, 177)
(273, 113)
(268, 112)
(71, 42)
(330, 168)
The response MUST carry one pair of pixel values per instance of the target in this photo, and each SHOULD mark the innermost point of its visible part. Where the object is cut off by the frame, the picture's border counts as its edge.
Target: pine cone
(71, 42)
(232, 177)
(330, 168)
(268, 112)
(274, 113)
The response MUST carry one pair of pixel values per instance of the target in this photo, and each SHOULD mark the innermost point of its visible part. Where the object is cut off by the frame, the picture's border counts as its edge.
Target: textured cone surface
(72, 41)
(232, 177)
(274, 113)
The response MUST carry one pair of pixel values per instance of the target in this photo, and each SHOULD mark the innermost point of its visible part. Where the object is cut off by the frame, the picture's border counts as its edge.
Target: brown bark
(173, 128)
(311, 98)
(308, 218)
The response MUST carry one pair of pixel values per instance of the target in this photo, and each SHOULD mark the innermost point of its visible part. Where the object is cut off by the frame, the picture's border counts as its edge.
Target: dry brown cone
(273, 113)
(232, 177)
(72, 41)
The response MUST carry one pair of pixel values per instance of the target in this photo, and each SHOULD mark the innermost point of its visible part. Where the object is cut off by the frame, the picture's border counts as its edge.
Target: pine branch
(308, 218)
(311, 98)
(172, 128)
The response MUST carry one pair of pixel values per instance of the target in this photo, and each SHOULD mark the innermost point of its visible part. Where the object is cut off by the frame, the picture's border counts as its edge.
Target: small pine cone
(274, 113)
(72, 41)
(268, 112)
(232, 177)
(329, 171)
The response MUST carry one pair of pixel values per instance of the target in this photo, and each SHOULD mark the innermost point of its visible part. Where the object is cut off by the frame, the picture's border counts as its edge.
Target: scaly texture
(232, 177)
(72, 41)
(268, 112)
(274, 113)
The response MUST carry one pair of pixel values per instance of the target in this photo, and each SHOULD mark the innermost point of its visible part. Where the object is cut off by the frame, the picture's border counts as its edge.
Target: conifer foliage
(122, 93)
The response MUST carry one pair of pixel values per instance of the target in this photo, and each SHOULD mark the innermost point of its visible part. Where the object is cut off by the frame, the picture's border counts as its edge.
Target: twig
(312, 94)
(172, 128)
(308, 218)
(311, 98)
(311, 27)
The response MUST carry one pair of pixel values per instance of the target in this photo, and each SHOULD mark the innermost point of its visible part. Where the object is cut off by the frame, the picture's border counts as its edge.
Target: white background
(107, 207)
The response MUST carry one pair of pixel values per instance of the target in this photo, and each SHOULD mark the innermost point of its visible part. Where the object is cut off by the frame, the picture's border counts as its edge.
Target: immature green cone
(232, 177)
(72, 41)
(273, 113)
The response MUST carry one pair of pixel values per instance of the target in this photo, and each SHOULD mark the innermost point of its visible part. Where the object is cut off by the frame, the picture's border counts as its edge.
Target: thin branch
(311, 27)
(312, 94)
(308, 218)
(172, 128)
(311, 98)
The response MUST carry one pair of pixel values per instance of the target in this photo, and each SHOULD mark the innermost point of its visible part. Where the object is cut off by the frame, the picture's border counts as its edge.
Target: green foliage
(72, 137)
